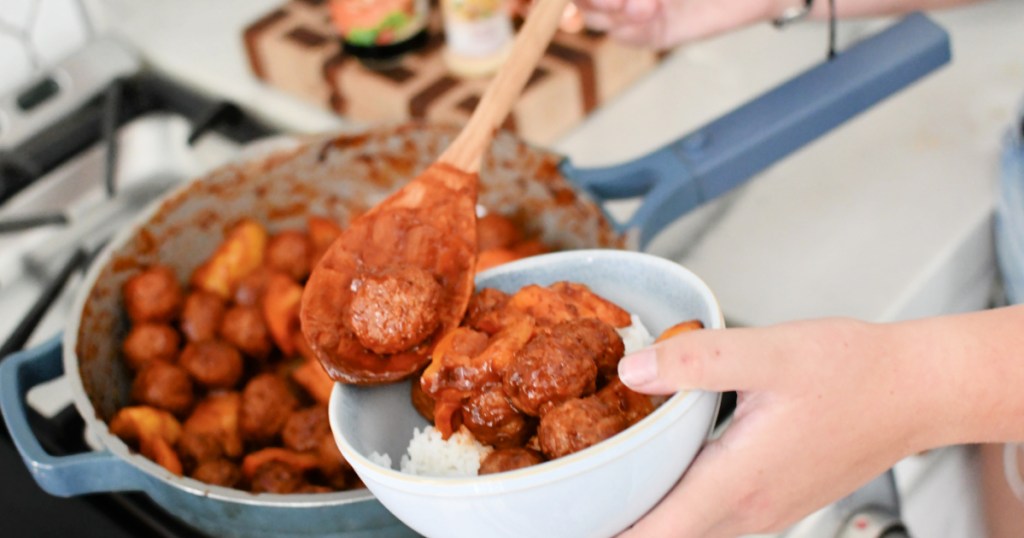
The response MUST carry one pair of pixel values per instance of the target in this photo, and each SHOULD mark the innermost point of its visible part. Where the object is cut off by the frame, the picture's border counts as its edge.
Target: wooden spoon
(402, 273)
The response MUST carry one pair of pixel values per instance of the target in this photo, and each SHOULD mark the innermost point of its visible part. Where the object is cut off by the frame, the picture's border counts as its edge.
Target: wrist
(966, 374)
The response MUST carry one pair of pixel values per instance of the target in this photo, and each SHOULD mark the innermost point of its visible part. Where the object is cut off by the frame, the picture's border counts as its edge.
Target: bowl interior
(381, 419)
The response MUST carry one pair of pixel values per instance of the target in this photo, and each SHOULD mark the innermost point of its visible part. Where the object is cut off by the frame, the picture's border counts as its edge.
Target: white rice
(428, 454)
(635, 337)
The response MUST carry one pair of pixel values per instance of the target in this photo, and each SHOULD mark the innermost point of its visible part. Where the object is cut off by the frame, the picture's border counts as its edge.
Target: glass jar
(478, 35)
(379, 32)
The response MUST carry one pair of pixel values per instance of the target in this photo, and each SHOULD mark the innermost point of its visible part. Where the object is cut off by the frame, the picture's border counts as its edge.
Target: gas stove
(83, 149)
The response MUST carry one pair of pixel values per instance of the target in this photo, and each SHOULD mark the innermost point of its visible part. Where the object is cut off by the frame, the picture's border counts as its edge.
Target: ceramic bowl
(595, 492)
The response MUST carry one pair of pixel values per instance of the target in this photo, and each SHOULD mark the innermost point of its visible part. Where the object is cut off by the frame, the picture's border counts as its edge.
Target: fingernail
(639, 369)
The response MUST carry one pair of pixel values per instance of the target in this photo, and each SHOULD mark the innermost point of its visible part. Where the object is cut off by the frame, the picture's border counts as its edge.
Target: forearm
(967, 372)
(869, 8)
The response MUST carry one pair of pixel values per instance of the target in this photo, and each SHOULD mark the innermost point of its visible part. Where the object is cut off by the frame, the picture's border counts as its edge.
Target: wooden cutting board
(295, 48)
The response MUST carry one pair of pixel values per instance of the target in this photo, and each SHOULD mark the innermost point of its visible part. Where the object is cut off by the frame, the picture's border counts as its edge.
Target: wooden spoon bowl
(402, 274)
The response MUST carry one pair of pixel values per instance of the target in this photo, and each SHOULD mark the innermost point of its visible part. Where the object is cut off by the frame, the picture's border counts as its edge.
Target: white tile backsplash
(35, 34)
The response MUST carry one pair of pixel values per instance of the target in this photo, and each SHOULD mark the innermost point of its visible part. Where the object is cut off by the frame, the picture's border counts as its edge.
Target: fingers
(736, 486)
(621, 11)
(718, 360)
(693, 507)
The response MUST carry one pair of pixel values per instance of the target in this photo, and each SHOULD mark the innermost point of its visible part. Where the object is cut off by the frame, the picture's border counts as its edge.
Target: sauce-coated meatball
(153, 295)
(201, 316)
(332, 465)
(600, 341)
(251, 287)
(552, 368)
(484, 310)
(165, 386)
(289, 252)
(395, 310)
(277, 477)
(509, 459)
(198, 447)
(266, 404)
(150, 342)
(219, 472)
(212, 363)
(493, 421)
(577, 424)
(304, 428)
(632, 405)
(215, 419)
(244, 328)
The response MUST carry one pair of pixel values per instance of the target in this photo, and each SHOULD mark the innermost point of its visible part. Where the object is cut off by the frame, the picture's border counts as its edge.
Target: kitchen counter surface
(885, 218)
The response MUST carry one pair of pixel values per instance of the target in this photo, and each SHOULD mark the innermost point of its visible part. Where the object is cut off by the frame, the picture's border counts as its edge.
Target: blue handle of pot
(63, 476)
(725, 153)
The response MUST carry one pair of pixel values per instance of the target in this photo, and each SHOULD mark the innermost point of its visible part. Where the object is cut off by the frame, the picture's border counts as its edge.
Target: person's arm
(666, 23)
(870, 8)
(824, 406)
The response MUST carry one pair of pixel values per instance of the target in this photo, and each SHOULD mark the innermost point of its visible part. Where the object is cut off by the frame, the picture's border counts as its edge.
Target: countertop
(887, 217)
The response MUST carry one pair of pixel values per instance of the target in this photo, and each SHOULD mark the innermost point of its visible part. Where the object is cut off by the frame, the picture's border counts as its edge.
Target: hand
(824, 407)
(665, 23)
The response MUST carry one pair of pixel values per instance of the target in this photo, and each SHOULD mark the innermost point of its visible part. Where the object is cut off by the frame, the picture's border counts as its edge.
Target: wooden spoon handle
(466, 151)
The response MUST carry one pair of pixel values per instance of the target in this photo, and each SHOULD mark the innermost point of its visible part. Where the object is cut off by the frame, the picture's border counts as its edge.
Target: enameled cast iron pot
(344, 175)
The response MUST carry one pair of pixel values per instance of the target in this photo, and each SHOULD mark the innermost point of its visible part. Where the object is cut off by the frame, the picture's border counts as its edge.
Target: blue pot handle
(725, 153)
(63, 476)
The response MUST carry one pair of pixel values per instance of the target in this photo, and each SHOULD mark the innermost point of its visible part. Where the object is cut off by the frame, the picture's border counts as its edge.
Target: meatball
(509, 459)
(165, 386)
(577, 424)
(483, 312)
(395, 310)
(198, 447)
(632, 405)
(496, 231)
(212, 363)
(289, 252)
(552, 368)
(266, 404)
(493, 421)
(600, 341)
(150, 342)
(277, 477)
(215, 418)
(251, 286)
(332, 465)
(201, 316)
(153, 295)
(244, 328)
(219, 472)
(304, 429)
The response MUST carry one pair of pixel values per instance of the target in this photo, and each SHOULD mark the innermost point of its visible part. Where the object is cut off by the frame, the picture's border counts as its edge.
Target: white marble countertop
(885, 218)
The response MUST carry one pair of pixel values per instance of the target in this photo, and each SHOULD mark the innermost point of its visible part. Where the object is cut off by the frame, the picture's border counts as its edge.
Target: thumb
(717, 360)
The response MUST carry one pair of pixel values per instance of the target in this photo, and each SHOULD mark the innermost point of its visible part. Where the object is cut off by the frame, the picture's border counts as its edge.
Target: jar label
(478, 37)
(370, 23)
